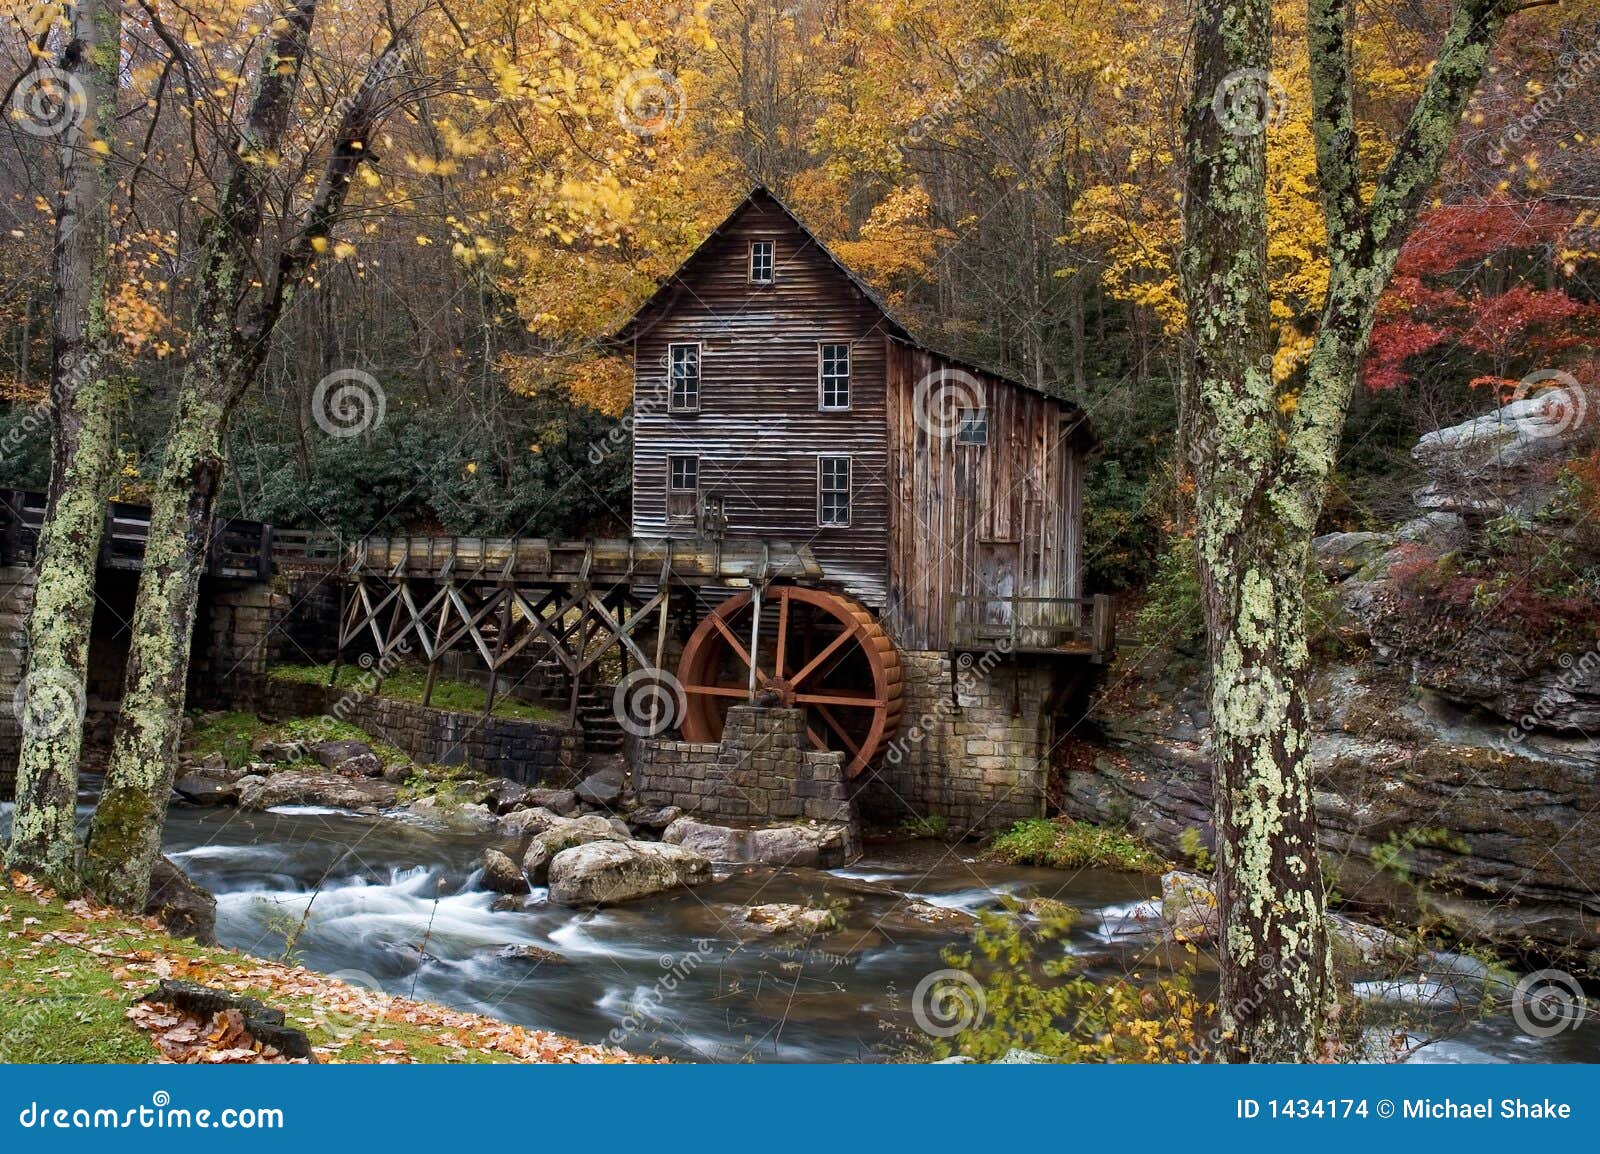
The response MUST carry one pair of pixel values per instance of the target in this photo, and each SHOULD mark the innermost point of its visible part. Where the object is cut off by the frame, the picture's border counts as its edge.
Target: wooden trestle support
(567, 605)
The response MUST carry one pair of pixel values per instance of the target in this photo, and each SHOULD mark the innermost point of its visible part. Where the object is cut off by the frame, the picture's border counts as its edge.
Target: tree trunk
(42, 837)
(226, 356)
(125, 833)
(1274, 974)
(1261, 473)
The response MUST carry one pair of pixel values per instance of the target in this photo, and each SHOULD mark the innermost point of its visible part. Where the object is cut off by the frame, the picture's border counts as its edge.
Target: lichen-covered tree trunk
(226, 352)
(125, 832)
(1262, 468)
(42, 837)
(1274, 952)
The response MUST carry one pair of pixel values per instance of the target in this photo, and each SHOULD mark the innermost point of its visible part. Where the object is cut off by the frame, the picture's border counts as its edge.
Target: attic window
(761, 262)
(972, 427)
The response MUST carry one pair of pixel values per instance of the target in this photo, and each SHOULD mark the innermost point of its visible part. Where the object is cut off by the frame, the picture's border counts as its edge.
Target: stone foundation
(241, 625)
(764, 770)
(531, 752)
(981, 764)
(16, 602)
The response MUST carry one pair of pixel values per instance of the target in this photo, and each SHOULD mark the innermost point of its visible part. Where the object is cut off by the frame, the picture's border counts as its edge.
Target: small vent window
(761, 262)
(973, 427)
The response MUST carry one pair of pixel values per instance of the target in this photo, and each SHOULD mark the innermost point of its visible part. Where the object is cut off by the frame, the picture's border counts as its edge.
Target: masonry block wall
(764, 770)
(532, 752)
(982, 764)
(234, 644)
(16, 602)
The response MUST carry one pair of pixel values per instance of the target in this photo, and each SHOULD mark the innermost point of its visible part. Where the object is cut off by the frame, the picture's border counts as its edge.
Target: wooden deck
(1066, 627)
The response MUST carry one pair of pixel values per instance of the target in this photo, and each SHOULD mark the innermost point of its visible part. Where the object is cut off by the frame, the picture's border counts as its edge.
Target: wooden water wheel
(821, 652)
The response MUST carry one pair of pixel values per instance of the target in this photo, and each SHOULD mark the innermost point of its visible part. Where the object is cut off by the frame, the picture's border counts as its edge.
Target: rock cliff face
(1458, 783)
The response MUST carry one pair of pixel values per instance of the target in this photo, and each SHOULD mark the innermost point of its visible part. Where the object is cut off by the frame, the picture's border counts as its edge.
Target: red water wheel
(818, 651)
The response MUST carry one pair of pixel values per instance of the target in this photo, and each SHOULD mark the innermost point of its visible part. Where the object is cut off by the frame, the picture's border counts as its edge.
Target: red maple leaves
(1480, 280)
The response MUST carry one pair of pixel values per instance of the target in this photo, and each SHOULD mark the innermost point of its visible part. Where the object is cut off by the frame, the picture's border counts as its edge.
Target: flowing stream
(392, 904)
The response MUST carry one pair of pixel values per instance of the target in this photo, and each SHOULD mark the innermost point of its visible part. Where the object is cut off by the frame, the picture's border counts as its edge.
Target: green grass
(1075, 845)
(234, 736)
(66, 1000)
(407, 684)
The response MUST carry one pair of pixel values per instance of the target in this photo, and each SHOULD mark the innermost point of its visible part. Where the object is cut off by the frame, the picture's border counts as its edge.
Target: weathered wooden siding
(759, 430)
(988, 519)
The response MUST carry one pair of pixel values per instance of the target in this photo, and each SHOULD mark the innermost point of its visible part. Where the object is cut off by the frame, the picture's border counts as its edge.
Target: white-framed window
(972, 427)
(833, 491)
(683, 490)
(761, 262)
(684, 378)
(833, 376)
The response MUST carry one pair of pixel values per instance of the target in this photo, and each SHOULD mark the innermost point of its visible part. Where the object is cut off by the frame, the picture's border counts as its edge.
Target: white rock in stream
(606, 872)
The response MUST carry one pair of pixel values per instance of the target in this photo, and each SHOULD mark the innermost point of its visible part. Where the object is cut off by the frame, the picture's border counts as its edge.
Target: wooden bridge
(581, 614)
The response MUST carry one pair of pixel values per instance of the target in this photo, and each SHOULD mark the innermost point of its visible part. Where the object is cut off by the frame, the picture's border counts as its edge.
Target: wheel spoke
(844, 734)
(783, 630)
(827, 651)
(837, 697)
(718, 690)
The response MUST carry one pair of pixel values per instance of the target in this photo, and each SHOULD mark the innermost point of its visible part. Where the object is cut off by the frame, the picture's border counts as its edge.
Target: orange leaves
(186, 1039)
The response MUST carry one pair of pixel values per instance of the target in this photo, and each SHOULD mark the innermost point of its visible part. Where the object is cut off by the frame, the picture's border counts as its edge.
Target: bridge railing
(238, 549)
(1066, 626)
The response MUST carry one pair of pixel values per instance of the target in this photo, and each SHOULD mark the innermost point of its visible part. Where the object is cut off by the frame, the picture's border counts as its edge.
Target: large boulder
(603, 789)
(201, 788)
(779, 845)
(352, 757)
(523, 822)
(501, 875)
(607, 872)
(558, 801)
(182, 907)
(563, 833)
(1189, 906)
(315, 787)
(451, 813)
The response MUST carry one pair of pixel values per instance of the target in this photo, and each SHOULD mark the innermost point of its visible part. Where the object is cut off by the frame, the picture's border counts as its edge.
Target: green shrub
(1171, 616)
(1075, 845)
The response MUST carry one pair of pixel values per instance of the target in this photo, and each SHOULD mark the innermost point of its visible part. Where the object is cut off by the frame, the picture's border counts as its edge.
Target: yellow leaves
(344, 250)
(319, 244)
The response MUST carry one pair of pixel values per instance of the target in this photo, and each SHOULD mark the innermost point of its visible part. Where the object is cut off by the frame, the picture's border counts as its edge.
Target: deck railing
(238, 549)
(1065, 626)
